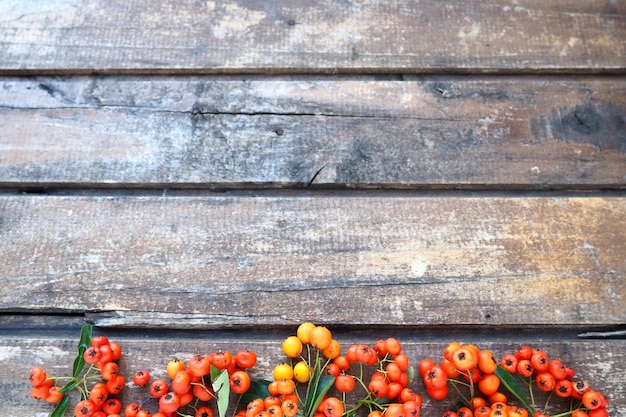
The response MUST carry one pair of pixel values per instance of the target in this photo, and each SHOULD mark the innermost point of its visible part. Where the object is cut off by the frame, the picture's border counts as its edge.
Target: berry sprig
(479, 380)
(317, 378)
(97, 385)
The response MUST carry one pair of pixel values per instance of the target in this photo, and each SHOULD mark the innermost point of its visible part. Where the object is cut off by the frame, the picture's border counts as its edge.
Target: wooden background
(198, 175)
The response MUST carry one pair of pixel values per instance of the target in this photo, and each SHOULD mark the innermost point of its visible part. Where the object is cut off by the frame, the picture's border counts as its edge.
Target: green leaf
(69, 386)
(83, 343)
(314, 400)
(511, 384)
(221, 386)
(61, 407)
(258, 389)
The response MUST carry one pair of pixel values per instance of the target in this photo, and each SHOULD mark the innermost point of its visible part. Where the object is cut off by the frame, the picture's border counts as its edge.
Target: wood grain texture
(230, 260)
(64, 36)
(423, 132)
(602, 363)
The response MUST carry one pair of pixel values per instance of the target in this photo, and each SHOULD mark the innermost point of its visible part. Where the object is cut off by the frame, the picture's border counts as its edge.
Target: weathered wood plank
(602, 363)
(312, 36)
(528, 132)
(267, 260)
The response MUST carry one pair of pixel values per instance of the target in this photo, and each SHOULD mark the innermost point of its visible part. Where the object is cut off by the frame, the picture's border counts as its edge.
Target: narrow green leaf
(258, 389)
(61, 407)
(83, 343)
(221, 387)
(324, 384)
(511, 384)
(68, 387)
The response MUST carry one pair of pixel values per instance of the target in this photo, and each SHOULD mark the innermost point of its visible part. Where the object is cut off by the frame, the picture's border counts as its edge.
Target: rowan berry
(98, 394)
(579, 413)
(509, 362)
(181, 382)
(292, 346)
(402, 360)
(375, 413)
(41, 392)
(425, 365)
(202, 391)
(450, 349)
(84, 408)
(482, 411)
(394, 389)
(592, 399)
(333, 407)
(515, 411)
(411, 408)
(116, 384)
(199, 366)
(524, 352)
(174, 366)
(112, 406)
(525, 368)
(245, 359)
(97, 341)
(289, 407)
(186, 398)
(54, 396)
(486, 362)
(320, 337)
(106, 355)
(109, 371)
(331, 369)
(158, 388)
(464, 359)
(302, 372)
(393, 346)
(286, 386)
(204, 411)
(437, 393)
(489, 384)
(304, 332)
(407, 394)
(240, 382)
(92, 355)
(283, 371)
(141, 378)
(545, 381)
(221, 359)
(254, 407)
(394, 410)
(131, 410)
(342, 362)
(435, 377)
(169, 403)
(352, 353)
(449, 413)
(143, 413)
(37, 376)
(465, 412)
(274, 410)
(497, 397)
(99, 413)
(378, 388)
(393, 371)
(333, 350)
(563, 388)
(598, 412)
(539, 360)
(116, 349)
(449, 368)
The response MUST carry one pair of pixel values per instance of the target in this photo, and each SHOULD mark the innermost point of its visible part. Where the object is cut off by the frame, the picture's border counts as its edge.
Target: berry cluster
(317, 365)
(103, 371)
(467, 366)
(194, 384)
